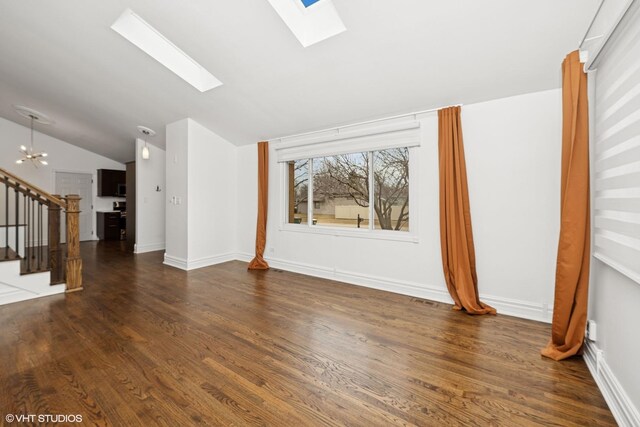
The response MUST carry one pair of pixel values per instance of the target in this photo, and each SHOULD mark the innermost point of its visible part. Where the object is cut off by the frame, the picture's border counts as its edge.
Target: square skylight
(307, 3)
(310, 25)
(153, 43)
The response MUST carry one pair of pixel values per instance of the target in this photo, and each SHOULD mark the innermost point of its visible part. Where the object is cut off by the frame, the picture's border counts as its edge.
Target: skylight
(309, 24)
(140, 33)
(308, 3)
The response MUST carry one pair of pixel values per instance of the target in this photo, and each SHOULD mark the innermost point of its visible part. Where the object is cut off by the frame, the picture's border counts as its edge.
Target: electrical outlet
(592, 330)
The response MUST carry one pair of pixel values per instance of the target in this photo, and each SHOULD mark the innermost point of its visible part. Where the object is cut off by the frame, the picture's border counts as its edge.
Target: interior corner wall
(201, 196)
(176, 232)
(63, 157)
(150, 198)
(212, 197)
(513, 149)
(247, 183)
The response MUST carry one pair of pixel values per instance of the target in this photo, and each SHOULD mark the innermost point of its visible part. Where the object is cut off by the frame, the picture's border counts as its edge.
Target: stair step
(30, 265)
(8, 254)
(24, 272)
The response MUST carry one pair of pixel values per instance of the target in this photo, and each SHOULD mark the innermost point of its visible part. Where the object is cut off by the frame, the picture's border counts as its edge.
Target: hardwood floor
(146, 344)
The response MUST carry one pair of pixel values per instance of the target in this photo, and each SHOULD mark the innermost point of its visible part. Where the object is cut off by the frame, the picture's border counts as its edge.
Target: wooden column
(74, 262)
(55, 253)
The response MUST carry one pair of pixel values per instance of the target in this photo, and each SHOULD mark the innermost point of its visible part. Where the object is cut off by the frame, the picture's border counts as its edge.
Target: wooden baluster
(32, 257)
(55, 254)
(25, 244)
(6, 221)
(17, 220)
(40, 234)
(74, 262)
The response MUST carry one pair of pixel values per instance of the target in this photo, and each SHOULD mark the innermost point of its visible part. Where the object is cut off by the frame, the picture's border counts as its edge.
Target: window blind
(617, 152)
(371, 139)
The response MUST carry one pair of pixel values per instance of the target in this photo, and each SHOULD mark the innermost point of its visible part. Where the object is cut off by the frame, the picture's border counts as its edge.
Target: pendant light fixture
(29, 154)
(148, 133)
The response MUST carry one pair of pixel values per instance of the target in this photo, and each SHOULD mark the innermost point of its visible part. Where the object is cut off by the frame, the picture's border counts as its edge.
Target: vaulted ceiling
(62, 58)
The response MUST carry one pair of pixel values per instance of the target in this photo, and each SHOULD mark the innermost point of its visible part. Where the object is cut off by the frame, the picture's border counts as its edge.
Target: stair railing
(25, 211)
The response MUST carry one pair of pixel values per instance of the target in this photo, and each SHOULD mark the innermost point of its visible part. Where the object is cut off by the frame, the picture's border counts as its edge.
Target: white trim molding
(523, 309)
(623, 410)
(187, 265)
(148, 247)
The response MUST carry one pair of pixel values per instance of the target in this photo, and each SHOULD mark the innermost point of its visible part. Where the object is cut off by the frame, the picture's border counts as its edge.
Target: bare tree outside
(391, 188)
(347, 176)
(298, 190)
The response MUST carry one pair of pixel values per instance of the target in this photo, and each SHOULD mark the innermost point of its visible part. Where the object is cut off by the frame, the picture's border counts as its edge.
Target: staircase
(33, 262)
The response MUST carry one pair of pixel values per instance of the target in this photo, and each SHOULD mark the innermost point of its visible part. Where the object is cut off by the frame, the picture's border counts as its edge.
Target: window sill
(398, 236)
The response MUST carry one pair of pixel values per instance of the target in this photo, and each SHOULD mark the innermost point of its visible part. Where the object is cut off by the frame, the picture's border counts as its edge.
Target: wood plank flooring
(145, 344)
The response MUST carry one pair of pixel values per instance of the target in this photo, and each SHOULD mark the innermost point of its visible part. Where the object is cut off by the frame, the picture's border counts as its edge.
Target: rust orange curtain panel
(574, 250)
(258, 262)
(456, 236)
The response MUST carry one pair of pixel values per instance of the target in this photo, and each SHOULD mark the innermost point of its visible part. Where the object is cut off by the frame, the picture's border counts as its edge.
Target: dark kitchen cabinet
(112, 183)
(131, 205)
(109, 225)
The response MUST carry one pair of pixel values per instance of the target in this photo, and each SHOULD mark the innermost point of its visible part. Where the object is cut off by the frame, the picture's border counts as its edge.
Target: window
(307, 3)
(349, 189)
(298, 172)
(391, 189)
(341, 184)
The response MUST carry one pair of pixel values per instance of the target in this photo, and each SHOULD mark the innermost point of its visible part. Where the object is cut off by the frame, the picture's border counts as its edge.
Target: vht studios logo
(43, 418)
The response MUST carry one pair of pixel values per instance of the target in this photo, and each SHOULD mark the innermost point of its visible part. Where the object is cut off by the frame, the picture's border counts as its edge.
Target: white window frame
(366, 233)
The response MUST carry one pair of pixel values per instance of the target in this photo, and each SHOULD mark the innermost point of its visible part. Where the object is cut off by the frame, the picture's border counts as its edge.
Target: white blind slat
(617, 152)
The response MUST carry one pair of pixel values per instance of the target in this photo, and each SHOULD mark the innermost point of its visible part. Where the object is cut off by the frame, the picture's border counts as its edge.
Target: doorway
(80, 184)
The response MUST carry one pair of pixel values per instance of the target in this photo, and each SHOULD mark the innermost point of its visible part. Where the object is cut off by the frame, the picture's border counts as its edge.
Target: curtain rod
(338, 128)
(584, 38)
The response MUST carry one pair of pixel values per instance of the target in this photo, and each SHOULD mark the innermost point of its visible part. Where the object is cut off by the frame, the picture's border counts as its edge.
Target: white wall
(200, 230)
(212, 197)
(513, 148)
(176, 182)
(150, 199)
(613, 304)
(63, 157)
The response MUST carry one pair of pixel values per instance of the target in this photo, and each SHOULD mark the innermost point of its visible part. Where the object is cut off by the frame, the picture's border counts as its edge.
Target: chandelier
(29, 154)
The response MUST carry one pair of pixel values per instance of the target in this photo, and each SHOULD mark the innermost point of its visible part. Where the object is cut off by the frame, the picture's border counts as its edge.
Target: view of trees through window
(341, 190)
(298, 191)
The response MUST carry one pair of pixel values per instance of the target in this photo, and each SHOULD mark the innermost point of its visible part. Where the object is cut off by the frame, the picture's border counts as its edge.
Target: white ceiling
(61, 58)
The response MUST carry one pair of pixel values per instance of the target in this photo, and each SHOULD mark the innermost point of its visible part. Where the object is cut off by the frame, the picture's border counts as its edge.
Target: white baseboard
(9, 296)
(148, 247)
(187, 265)
(623, 410)
(176, 262)
(522, 309)
(243, 256)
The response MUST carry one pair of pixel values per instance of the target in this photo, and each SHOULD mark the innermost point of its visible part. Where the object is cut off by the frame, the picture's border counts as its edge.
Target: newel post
(74, 262)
